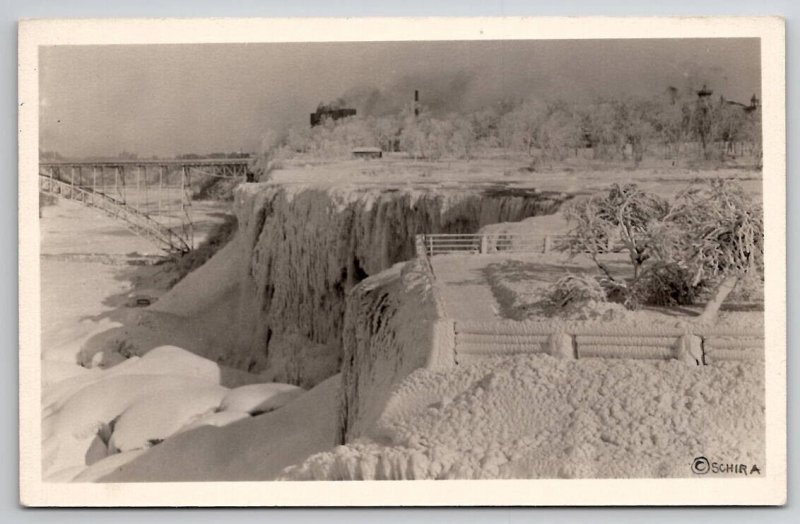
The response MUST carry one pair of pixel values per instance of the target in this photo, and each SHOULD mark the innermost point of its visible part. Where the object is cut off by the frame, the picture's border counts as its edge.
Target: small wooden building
(367, 152)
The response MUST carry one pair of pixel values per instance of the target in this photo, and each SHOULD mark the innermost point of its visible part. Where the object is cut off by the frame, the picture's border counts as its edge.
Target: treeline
(671, 127)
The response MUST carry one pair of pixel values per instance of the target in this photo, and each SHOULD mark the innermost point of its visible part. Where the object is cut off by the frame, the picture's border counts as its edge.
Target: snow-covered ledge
(393, 326)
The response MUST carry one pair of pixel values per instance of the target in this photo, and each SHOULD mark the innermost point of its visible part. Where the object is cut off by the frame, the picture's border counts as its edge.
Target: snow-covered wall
(303, 248)
(392, 327)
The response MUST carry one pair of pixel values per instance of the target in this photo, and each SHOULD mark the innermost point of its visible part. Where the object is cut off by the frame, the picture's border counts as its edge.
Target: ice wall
(392, 327)
(304, 248)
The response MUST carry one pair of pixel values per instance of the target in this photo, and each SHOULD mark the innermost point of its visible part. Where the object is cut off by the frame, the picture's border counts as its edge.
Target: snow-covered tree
(715, 231)
(266, 161)
(706, 239)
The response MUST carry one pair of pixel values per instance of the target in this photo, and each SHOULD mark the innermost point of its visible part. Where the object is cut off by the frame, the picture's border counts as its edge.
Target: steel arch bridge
(152, 198)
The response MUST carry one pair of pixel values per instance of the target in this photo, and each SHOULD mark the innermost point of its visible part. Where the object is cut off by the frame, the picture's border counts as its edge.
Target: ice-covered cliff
(302, 249)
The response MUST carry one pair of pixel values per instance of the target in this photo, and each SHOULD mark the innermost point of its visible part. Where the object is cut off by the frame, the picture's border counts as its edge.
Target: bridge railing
(136, 220)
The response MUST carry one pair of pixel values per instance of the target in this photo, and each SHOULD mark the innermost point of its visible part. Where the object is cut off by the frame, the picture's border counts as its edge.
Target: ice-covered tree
(265, 161)
(625, 216)
(704, 240)
(715, 232)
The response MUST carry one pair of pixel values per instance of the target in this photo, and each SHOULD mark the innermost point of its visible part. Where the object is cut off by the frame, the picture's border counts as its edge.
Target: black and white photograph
(405, 250)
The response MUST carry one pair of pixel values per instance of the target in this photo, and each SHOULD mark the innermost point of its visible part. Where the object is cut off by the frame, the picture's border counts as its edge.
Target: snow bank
(176, 361)
(216, 419)
(163, 360)
(88, 414)
(55, 371)
(542, 417)
(70, 429)
(204, 287)
(257, 448)
(155, 417)
(259, 398)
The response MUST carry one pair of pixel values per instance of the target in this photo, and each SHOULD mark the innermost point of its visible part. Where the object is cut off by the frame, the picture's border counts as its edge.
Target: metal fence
(473, 243)
(431, 244)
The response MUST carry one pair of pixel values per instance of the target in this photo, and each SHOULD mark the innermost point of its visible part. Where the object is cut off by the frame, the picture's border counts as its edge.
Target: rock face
(303, 249)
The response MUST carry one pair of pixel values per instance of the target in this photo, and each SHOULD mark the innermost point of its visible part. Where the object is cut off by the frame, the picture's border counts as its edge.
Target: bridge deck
(118, 162)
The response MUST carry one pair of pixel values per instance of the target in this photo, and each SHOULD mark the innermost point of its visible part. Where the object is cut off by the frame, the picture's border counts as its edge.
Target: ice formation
(303, 249)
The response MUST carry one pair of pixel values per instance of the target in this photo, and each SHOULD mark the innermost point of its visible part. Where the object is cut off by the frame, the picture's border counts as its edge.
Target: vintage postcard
(435, 261)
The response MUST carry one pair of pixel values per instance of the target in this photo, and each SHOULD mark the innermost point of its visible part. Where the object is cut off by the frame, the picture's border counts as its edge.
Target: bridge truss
(152, 197)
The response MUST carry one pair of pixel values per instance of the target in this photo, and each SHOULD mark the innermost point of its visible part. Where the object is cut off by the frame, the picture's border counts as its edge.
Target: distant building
(324, 112)
(367, 152)
(705, 92)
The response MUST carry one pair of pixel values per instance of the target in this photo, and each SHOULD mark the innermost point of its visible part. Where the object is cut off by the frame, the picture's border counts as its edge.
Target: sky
(166, 100)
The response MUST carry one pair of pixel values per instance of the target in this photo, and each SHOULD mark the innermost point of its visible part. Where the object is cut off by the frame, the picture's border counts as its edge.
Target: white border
(706, 491)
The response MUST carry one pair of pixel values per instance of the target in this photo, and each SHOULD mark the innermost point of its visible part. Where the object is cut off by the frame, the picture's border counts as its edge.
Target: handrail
(139, 222)
(430, 244)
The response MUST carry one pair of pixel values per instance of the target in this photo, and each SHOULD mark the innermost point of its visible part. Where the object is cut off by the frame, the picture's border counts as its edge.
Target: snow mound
(175, 361)
(142, 401)
(218, 419)
(70, 428)
(106, 466)
(161, 361)
(155, 417)
(542, 417)
(204, 287)
(256, 448)
(56, 371)
(260, 398)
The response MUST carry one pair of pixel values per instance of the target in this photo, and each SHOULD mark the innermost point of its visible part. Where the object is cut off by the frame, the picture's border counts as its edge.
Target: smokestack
(416, 102)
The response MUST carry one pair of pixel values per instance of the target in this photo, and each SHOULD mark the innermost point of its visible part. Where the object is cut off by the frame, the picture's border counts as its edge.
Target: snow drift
(255, 448)
(138, 403)
(538, 416)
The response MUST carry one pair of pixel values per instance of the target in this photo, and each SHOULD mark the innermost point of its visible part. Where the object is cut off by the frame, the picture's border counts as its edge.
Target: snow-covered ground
(538, 416)
(505, 169)
(163, 392)
(116, 407)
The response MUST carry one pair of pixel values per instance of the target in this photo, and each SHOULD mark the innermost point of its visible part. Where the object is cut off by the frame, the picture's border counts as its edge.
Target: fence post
(547, 243)
(560, 344)
(484, 244)
(609, 245)
(430, 246)
(419, 245)
(689, 349)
